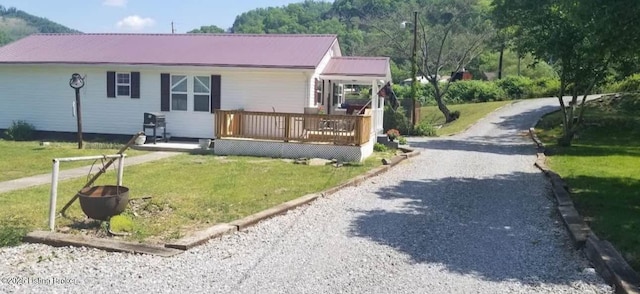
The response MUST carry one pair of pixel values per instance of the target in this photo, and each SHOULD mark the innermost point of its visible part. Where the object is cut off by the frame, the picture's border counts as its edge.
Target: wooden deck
(293, 127)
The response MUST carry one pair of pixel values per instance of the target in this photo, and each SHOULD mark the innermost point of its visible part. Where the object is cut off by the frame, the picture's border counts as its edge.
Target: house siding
(41, 96)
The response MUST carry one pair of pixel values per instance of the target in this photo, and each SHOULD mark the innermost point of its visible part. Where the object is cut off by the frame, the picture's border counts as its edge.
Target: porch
(293, 135)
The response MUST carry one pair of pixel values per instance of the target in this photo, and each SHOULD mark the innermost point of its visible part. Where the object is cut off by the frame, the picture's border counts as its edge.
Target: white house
(187, 77)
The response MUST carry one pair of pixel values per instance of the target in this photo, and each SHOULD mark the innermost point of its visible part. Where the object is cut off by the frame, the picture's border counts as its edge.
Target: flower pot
(140, 140)
(204, 143)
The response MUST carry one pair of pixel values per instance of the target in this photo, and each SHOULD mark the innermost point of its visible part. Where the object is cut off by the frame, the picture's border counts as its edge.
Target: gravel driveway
(469, 215)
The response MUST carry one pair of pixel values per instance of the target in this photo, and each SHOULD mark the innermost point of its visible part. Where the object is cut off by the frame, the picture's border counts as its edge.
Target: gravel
(471, 214)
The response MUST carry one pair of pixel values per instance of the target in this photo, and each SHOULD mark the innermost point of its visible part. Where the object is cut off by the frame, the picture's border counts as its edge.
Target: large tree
(449, 34)
(582, 39)
(212, 29)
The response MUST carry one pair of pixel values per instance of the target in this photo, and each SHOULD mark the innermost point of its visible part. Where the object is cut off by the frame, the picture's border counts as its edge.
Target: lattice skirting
(292, 150)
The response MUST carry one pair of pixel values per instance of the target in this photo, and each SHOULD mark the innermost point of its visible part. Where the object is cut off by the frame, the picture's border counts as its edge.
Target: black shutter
(215, 93)
(135, 84)
(111, 84)
(165, 89)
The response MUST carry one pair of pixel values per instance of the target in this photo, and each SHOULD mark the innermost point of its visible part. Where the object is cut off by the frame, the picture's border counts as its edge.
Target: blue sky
(141, 16)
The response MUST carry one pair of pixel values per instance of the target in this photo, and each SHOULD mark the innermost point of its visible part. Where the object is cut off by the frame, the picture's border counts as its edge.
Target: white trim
(117, 84)
(171, 91)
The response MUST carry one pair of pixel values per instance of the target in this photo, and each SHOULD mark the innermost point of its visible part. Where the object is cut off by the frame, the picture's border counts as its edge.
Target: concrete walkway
(76, 172)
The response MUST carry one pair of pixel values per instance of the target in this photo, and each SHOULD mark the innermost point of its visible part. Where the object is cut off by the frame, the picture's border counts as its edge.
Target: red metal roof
(237, 50)
(358, 66)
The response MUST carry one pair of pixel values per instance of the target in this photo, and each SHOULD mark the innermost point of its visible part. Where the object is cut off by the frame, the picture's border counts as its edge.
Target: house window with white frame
(179, 92)
(123, 84)
(201, 93)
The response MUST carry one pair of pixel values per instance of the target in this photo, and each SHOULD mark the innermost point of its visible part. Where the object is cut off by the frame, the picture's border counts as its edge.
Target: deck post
(287, 127)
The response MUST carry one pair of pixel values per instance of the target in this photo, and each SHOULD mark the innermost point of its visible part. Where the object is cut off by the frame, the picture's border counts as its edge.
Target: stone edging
(608, 262)
(202, 236)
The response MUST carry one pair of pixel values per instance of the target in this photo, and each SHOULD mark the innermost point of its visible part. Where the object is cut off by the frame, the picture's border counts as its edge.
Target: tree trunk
(441, 106)
(500, 61)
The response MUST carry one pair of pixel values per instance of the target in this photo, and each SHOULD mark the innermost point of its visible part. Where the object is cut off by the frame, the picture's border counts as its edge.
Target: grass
(186, 192)
(23, 159)
(602, 169)
(469, 114)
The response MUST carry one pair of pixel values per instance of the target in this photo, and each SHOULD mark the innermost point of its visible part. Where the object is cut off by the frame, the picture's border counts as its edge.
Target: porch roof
(357, 68)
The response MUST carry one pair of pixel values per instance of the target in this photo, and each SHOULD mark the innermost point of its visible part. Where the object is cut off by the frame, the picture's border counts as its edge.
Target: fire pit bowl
(103, 202)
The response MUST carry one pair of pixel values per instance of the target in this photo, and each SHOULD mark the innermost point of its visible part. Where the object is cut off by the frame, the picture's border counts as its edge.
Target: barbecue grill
(155, 120)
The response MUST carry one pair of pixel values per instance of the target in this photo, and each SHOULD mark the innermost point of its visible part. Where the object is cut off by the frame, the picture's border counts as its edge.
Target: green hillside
(16, 24)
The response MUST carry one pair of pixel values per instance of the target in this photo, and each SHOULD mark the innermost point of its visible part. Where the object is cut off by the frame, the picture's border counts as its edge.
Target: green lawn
(23, 159)
(187, 192)
(469, 114)
(603, 170)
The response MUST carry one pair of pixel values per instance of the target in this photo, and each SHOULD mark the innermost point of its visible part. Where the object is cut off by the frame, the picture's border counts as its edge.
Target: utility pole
(414, 71)
(173, 30)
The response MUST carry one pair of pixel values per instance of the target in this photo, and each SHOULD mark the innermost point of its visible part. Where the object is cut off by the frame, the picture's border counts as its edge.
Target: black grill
(155, 120)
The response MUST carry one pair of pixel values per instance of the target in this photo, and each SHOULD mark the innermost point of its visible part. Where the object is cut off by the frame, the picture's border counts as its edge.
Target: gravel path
(469, 215)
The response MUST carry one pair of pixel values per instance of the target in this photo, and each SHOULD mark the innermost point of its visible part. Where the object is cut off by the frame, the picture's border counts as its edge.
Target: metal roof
(358, 66)
(225, 50)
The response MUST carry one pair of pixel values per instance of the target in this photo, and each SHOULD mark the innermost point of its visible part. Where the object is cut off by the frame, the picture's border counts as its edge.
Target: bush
(377, 147)
(20, 131)
(546, 87)
(474, 91)
(402, 141)
(396, 120)
(11, 236)
(630, 84)
(424, 129)
(516, 87)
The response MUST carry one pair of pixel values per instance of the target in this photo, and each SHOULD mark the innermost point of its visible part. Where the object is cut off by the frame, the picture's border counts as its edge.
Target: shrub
(20, 131)
(121, 223)
(12, 231)
(396, 120)
(516, 87)
(455, 114)
(377, 147)
(474, 91)
(424, 129)
(402, 141)
(630, 84)
(546, 87)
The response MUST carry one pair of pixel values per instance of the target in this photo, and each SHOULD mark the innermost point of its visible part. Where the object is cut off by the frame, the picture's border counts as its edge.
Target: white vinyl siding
(41, 96)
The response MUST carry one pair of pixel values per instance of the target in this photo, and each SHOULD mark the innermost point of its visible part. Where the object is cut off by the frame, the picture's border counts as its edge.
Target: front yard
(469, 114)
(603, 170)
(23, 159)
(177, 195)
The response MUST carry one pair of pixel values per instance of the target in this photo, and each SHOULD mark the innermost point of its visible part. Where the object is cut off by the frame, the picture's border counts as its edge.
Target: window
(179, 92)
(123, 84)
(201, 93)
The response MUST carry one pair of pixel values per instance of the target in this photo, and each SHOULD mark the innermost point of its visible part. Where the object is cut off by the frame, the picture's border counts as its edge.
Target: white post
(120, 169)
(54, 194)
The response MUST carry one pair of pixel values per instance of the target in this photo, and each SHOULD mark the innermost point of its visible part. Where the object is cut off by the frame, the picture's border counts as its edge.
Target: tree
(451, 34)
(582, 39)
(212, 29)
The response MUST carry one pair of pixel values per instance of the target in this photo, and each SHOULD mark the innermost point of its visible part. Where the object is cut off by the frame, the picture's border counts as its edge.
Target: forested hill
(16, 24)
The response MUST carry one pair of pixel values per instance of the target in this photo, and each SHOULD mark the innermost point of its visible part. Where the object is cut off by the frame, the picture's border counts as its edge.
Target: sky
(141, 16)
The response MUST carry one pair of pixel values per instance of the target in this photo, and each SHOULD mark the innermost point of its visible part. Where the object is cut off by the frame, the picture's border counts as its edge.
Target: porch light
(76, 82)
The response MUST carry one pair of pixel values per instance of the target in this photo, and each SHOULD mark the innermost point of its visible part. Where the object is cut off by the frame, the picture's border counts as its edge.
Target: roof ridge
(361, 57)
(185, 34)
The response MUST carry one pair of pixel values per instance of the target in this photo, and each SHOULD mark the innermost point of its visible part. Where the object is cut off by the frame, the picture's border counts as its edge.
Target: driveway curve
(471, 214)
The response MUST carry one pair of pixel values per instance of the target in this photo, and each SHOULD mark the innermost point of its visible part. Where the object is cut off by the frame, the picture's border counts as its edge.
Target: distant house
(186, 77)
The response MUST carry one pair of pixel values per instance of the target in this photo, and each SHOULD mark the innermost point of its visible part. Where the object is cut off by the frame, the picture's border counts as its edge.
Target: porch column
(374, 106)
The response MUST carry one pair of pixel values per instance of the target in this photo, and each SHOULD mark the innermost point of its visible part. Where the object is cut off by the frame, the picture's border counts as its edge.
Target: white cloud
(135, 23)
(115, 3)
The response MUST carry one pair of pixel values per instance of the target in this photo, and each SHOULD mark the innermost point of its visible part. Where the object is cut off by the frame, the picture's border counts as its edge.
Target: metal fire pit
(103, 202)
